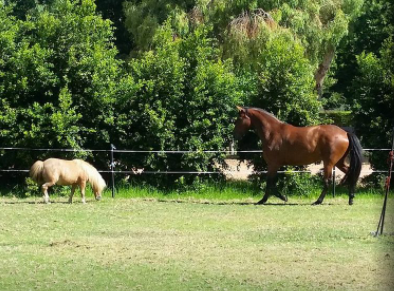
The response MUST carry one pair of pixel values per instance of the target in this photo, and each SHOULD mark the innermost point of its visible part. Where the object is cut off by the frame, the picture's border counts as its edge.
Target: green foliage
(63, 84)
(58, 79)
(185, 99)
(337, 117)
(366, 34)
(373, 109)
(285, 82)
(299, 184)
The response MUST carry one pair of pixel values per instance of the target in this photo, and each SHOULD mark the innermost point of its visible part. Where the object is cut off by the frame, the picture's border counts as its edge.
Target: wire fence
(113, 150)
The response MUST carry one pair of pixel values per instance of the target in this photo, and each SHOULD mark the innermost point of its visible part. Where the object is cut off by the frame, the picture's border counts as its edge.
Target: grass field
(157, 243)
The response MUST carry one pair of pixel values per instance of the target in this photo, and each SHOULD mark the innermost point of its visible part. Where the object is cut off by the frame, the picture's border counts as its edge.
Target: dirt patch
(240, 171)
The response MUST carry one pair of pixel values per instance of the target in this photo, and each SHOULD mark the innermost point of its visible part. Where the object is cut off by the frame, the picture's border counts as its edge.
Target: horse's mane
(264, 112)
(94, 177)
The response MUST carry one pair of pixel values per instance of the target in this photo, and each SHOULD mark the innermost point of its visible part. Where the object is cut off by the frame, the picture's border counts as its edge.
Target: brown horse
(63, 172)
(284, 144)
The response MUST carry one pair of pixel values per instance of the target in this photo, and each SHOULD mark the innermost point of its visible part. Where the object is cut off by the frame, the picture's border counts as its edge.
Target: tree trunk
(323, 69)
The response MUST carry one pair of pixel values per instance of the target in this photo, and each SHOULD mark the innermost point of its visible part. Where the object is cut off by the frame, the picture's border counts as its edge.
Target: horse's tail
(36, 171)
(94, 177)
(355, 153)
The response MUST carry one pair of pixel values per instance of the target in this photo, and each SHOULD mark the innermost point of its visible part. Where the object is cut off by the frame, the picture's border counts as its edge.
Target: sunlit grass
(146, 240)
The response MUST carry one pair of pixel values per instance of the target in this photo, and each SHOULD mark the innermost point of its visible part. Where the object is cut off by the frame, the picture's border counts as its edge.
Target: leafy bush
(185, 99)
(58, 79)
(374, 107)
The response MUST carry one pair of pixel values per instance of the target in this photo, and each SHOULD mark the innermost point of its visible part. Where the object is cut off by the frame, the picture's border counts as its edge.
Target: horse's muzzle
(98, 198)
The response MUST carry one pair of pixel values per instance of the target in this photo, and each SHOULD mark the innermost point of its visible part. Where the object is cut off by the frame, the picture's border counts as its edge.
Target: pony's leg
(70, 200)
(44, 188)
(82, 185)
(327, 182)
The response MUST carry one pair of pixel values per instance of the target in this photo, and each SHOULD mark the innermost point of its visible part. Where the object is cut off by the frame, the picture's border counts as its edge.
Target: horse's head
(242, 124)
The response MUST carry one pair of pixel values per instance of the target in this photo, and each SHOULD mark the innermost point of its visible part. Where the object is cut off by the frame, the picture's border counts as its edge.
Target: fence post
(333, 182)
(112, 170)
(379, 230)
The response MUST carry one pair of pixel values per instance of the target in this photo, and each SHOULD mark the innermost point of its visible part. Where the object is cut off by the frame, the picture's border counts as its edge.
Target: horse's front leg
(272, 178)
(70, 200)
(271, 184)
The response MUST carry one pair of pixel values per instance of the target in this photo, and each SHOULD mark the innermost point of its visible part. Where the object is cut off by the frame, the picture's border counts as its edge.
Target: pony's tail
(36, 171)
(355, 153)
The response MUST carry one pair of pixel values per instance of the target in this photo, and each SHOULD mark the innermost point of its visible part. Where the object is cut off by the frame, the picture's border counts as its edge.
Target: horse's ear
(241, 111)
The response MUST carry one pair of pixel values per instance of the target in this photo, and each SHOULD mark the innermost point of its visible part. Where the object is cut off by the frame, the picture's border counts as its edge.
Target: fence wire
(114, 150)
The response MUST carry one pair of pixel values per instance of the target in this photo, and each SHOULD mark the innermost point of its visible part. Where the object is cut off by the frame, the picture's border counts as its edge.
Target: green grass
(212, 241)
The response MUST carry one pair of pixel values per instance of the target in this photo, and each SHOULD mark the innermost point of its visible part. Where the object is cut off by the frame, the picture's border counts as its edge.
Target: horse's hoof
(261, 202)
(316, 203)
(284, 198)
(350, 202)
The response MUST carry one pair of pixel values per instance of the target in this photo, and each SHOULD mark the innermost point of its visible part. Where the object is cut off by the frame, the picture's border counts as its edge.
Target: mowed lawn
(142, 244)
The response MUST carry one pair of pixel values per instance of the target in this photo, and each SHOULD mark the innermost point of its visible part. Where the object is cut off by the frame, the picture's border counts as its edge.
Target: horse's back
(332, 142)
(306, 145)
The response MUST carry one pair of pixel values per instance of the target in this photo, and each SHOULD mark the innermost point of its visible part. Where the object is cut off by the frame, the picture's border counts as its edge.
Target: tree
(374, 107)
(319, 25)
(58, 78)
(185, 99)
(366, 34)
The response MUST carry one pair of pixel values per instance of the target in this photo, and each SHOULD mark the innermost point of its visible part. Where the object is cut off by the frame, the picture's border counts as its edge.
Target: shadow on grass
(224, 203)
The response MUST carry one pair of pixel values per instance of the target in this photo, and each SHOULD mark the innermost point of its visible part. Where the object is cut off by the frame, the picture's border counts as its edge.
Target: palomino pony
(64, 172)
(284, 144)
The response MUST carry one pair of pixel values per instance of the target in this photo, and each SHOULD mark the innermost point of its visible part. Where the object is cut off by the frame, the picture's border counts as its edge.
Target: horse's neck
(264, 125)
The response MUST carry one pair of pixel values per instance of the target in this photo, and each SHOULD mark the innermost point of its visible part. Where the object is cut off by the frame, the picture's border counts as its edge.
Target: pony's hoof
(316, 203)
(350, 202)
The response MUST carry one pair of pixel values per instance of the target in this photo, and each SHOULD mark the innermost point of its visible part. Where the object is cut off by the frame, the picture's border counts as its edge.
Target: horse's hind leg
(344, 168)
(327, 180)
(44, 188)
(70, 200)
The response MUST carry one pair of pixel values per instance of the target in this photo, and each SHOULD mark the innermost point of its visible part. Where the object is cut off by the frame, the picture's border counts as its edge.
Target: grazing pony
(64, 172)
(284, 144)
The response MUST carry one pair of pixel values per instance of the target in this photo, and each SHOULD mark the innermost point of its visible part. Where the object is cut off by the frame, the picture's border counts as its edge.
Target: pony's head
(94, 177)
(98, 187)
(242, 124)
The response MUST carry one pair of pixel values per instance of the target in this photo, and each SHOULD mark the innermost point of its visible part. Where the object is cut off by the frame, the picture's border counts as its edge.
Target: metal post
(112, 170)
(379, 230)
(333, 182)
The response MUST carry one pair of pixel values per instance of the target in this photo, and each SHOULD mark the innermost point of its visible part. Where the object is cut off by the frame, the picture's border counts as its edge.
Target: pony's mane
(263, 111)
(94, 177)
